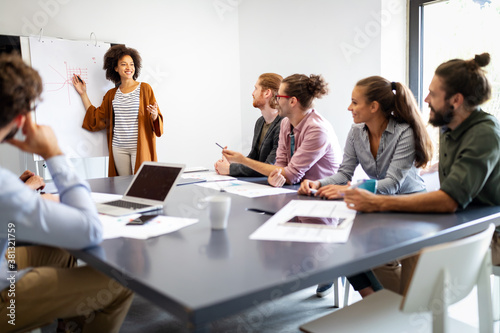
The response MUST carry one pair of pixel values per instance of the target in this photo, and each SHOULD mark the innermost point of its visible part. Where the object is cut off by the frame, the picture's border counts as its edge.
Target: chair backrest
(454, 265)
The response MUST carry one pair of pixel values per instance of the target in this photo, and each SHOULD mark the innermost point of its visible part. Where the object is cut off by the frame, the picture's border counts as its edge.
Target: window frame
(415, 46)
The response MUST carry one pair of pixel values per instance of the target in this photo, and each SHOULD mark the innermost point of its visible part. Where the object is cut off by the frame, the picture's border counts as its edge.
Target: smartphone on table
(141, 219)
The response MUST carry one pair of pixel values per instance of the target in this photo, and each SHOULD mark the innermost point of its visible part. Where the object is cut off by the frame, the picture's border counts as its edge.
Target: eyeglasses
(277, 97)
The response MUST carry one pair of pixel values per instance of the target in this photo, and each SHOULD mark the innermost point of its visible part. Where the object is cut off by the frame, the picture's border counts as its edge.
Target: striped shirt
(394, 167)
(126, 111)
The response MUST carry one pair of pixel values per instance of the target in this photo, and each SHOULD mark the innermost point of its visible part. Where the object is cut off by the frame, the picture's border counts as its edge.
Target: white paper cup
(218, 210)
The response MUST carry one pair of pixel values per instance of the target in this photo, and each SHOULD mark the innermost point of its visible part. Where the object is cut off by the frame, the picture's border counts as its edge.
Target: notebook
(148, 190)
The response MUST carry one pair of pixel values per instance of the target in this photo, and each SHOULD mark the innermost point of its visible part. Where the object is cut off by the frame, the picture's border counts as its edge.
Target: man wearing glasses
(308, 146)
(266, 131)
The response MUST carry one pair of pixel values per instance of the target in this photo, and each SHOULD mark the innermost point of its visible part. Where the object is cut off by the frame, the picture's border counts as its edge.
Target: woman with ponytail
(469, 152)
(389, 140)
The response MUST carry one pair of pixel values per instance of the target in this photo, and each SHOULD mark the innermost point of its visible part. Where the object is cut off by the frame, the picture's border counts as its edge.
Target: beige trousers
(125, 160)
(86, 299)
(389, 275)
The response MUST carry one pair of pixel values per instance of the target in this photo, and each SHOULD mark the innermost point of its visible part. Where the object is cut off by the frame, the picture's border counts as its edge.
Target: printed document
(116, 227)
(246, 189)
(309, 221)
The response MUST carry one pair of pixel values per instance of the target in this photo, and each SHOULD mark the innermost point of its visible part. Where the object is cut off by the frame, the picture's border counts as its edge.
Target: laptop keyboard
(127, 204)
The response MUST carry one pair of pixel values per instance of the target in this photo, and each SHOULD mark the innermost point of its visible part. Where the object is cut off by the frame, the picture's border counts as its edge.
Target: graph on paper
(66, 80)
(61, 107)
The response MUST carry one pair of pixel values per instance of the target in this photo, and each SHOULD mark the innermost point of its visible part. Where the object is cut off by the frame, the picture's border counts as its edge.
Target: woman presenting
(128, 112)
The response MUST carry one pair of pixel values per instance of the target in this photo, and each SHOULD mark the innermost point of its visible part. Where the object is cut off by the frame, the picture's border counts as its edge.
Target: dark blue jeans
(363, 280)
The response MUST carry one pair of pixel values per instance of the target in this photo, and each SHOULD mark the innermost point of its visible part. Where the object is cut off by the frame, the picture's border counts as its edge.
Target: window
(443, 30)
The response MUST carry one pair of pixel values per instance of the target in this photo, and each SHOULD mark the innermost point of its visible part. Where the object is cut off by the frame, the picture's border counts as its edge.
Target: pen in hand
(219, 145)
(79, 78)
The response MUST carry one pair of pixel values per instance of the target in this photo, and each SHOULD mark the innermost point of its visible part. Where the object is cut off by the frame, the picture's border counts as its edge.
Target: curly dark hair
(113, 55)
(306, 88)
(20, 86)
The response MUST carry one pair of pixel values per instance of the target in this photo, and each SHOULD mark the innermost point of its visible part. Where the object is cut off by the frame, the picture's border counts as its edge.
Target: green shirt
(469, 161)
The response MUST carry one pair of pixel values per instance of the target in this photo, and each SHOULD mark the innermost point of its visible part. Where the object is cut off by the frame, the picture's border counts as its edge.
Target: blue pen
(219, 145)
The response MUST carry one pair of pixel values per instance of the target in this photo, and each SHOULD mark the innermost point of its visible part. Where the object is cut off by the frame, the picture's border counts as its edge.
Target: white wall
(343, 40)
(332, 38)
(202, 57)
(394, 43)
(190, 57)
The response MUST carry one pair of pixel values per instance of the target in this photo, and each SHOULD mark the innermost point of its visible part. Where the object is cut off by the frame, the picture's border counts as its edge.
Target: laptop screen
(153, 182)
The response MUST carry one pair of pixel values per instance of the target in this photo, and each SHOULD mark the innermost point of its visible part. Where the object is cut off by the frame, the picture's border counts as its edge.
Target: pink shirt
(317, 150)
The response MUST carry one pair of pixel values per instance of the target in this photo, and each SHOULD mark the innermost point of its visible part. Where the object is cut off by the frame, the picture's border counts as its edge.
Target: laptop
(148, 190)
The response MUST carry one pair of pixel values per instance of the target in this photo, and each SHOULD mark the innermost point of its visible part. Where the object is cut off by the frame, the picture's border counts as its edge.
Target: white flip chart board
(61, 107)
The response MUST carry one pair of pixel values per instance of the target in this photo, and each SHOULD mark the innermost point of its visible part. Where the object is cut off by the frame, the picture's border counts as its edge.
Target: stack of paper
(246, 189)
(309, 221)
(210, 176)
(115, 227)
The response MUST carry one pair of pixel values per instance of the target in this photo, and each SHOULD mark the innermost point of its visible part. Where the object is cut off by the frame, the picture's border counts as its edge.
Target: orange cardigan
(97, 119)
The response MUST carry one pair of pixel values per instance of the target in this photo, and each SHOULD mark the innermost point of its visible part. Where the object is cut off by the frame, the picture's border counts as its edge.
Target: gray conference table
(200, 275)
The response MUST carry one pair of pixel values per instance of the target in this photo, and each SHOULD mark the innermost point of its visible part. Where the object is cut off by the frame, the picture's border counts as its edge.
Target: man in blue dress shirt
(41, 283)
